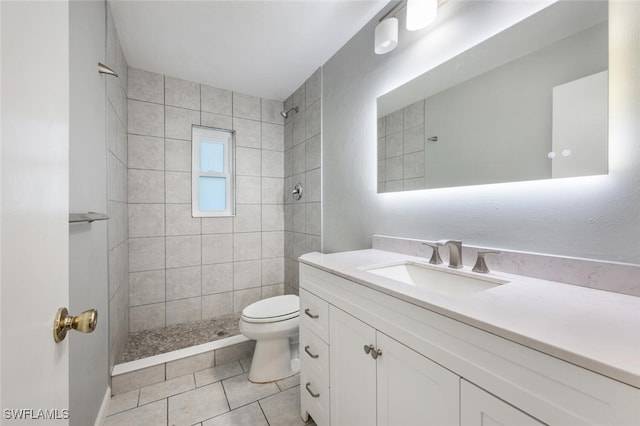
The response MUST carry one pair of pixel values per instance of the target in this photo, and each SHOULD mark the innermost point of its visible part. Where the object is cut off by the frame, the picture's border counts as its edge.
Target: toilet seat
(273, 309)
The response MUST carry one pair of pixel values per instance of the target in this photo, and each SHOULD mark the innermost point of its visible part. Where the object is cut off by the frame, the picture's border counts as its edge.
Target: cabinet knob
(368, 349)
(375, 354)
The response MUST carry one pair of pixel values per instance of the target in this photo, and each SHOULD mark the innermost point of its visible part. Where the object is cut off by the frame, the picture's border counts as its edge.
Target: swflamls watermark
(35, 414)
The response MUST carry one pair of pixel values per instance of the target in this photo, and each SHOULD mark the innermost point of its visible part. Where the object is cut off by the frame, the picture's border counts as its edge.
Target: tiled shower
(183, 269)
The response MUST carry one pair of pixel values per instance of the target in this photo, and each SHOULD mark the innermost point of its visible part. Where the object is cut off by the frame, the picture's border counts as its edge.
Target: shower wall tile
(117, 231)
(184, 251)
(414, 115)
(116, 179)
(313, 188)
(298, 129)
(146, 152)
(182, 283)
(118, 267)
(180, 222)
(217, 278)
(312, 120)
(248, 133)
(313, 243)
(246, 106)
(217, 101)
(146, 317)
(146, 186)
(299, 159)
(145, 86)
(146, 220)
(145, 118)
(218, 121)
(178, 122)
(288, 135)
(181, 93)
(184, 310)
(146, 287)
(146, 254)
(299, 98)
(313, 153)
(271, 111)
(312, 218)
(177, 154)
(313, 88)
(185, 268)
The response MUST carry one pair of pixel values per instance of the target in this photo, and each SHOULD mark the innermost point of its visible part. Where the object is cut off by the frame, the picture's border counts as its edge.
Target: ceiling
(261, 48)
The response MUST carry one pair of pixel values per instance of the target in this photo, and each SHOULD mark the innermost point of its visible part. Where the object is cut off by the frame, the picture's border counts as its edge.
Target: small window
(212, 172)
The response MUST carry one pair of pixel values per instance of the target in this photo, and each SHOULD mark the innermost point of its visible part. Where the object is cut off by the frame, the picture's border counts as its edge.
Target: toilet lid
(278, 308)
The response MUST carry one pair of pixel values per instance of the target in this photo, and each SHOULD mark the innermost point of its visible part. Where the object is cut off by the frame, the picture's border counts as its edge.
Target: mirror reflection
(529, 103)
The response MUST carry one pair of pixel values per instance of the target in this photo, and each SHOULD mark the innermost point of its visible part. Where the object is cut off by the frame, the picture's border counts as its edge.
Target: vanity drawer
(314, 354)
(314, 314)
(314, 397)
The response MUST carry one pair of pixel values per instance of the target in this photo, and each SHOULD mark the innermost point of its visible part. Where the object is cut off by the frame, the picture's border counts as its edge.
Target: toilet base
(272, 361)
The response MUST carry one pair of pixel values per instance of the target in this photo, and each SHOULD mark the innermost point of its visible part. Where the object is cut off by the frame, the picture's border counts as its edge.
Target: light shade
(421, 13)
(386, 36)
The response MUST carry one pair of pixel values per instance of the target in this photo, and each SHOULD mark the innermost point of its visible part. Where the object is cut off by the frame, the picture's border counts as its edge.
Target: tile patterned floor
(147, 343)
(219, 396)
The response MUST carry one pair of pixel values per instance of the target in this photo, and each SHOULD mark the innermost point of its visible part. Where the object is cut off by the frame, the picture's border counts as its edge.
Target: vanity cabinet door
(480, 408)
(352, 371)
(413, 390)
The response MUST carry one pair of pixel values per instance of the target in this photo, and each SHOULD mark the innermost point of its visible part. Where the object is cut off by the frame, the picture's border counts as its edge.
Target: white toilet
(273, 324)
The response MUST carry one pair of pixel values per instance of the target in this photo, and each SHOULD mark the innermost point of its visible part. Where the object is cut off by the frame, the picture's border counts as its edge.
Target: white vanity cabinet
(397, 387)
(434, 370)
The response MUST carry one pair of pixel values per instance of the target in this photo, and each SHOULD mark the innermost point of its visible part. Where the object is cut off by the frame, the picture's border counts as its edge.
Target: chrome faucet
(455, 252)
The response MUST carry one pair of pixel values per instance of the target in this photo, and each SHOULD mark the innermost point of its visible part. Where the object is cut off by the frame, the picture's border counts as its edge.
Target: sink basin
(450, 282)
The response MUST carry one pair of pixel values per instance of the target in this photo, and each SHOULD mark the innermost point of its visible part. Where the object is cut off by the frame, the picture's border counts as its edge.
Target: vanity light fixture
(386, 38)
(421, 13)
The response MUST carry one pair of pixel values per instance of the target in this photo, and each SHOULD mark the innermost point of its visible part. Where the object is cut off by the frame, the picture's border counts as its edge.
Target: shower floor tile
(147, 343)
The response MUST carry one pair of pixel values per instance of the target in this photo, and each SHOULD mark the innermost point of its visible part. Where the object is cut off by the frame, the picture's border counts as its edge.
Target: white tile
(250, 414)
(197, 405)
(243, 298)
(146, 287)
(217, 101)
(150, 414)
(288, 135)
(146, 220)
(299, 159)
(313, 185)
(272, 190)
(190, 364)
(183, 251)
(178, 122)
(246, 106)
(248, 133)
(214, 305)
(288, 162)
(273, 136)
(298, 130)
(181, 93)
(217, 248)
(248, 189)
(177, 155)
(248, 161)
(216, 374)
(217, 278)
(146, 152)
(272, 244)
(313, 87)
(313, 120)
(248, 218)
(145, 186)
(146, 317)
(271, 111)
(241, 391)
(272, 271)
(218, 121)
(126, 382)
(184, 282)
(183, 310)
(299, 244)
(179, 220)
(313, 218)
(166, 389)
(123, 402)
(273, 217)
(247, 274)
(217, 225)
(146, 254)
(272, 163)
(145, 86)
(247, 246)
(313, 153)
(299, 219)
(178, 187)
(145, 118)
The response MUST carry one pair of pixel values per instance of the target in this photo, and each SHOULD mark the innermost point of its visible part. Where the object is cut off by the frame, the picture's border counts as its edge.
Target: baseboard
(104, 407)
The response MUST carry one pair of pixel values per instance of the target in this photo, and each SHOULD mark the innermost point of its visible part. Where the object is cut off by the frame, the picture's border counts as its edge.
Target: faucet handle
(481, 265)
(435, 254)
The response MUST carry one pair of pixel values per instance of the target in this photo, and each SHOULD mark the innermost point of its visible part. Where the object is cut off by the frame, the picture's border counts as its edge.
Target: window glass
(212, 156)
(213, 194)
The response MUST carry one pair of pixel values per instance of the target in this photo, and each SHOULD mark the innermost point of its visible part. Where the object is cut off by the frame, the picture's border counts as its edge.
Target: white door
(34, 231)
(413, 390)
(352, 372)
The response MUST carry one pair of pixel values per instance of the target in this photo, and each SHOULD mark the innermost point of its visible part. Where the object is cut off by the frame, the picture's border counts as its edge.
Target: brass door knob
(84, 322)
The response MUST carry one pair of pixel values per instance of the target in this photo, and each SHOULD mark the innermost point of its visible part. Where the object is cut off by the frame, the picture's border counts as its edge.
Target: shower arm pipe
(103, 69)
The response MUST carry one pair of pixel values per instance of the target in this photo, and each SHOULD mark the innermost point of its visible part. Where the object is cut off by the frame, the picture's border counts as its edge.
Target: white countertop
(594, 329)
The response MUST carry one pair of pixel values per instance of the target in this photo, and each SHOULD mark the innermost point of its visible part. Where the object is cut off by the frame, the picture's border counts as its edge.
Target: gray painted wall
(89, 366)
(593, 217)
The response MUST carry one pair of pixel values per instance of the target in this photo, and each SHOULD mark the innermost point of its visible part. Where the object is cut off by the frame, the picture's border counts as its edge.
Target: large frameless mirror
(529, 103)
